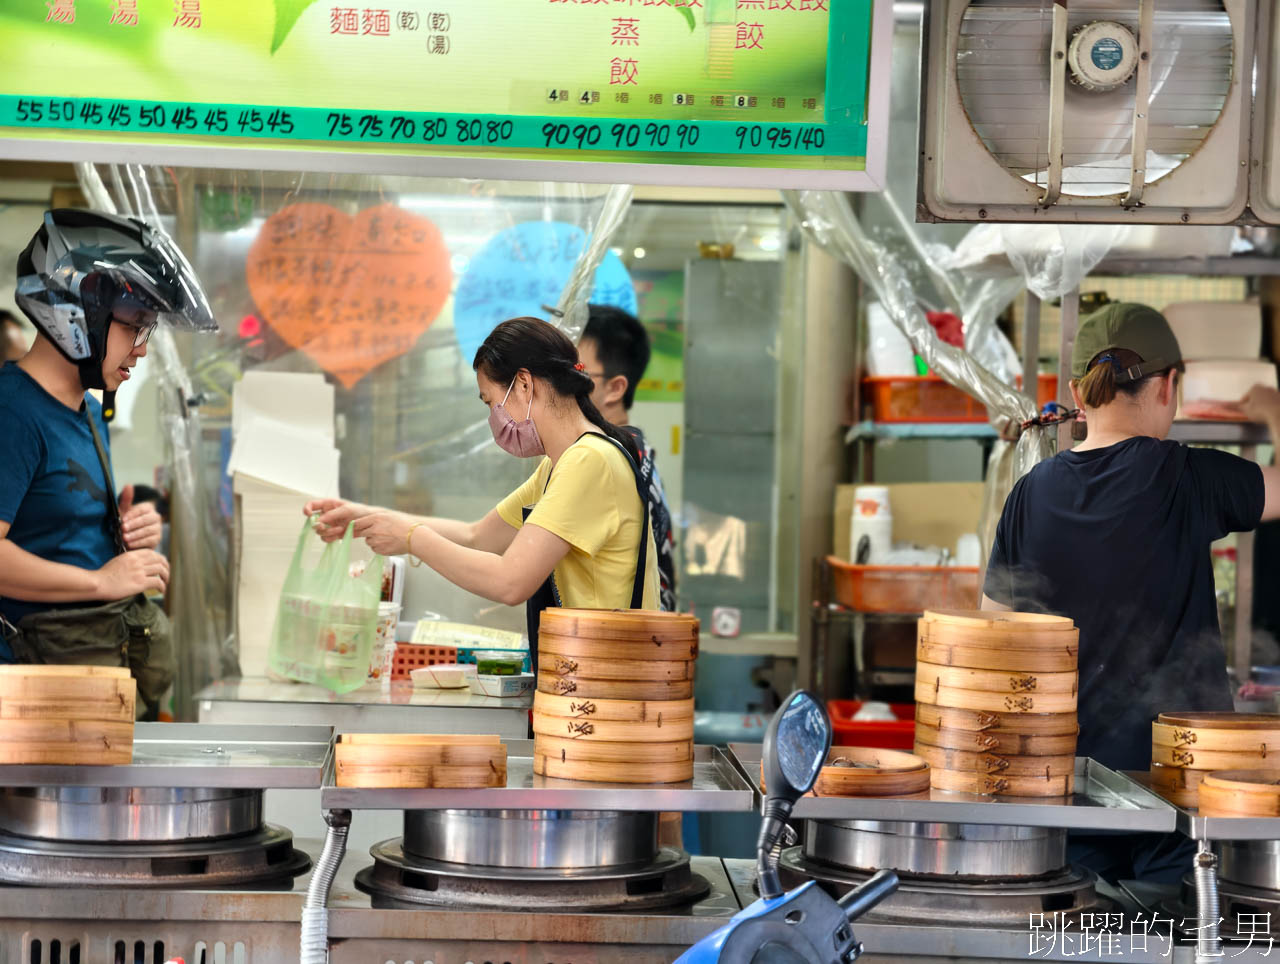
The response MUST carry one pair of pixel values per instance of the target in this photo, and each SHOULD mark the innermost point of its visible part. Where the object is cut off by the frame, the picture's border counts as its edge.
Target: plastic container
(444, 676)
(928, 398)
(384, 641)
(896, 734)
(408, 657)
(503, 686)
(903, 589)
(498, 662)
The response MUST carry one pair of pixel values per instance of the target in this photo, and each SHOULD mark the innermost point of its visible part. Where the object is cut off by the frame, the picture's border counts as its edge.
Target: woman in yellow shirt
(576, 533)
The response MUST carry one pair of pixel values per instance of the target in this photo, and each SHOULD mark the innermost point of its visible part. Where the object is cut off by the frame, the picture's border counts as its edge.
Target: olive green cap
(1139, 328)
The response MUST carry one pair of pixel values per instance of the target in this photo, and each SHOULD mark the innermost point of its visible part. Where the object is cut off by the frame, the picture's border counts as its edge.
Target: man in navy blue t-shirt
(95, 286)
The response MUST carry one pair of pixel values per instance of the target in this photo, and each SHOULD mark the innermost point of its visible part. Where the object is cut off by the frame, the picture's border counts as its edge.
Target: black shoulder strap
(113, 508)
(642, 557)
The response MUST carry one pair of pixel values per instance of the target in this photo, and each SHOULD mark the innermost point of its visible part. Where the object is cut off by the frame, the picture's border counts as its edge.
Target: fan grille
(1002, 73)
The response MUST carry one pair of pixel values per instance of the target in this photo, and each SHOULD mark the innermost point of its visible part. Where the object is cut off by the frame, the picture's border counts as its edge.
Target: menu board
(677, 91)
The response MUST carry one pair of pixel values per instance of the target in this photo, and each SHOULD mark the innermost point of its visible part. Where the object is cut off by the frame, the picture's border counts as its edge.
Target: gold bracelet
(408, 542)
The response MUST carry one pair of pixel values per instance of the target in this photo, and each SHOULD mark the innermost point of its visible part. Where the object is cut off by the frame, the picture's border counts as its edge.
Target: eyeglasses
(142, 333)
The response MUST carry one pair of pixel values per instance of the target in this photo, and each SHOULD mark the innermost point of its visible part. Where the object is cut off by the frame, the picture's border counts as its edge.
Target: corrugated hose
(315, 909)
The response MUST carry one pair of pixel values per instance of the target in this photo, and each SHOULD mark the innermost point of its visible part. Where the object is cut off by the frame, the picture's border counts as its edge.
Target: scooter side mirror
(795, 748)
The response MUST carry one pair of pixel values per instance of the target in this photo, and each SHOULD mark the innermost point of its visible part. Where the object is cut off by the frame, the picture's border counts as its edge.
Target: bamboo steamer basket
(1175, 778)
(1006, 765)
(1221, 721)
(612, 731)
(968, 781)
(598, 751)
(1062, 659)
(995, 681)
(1261, 741)
(66, 715)
(39, 692)
(626, 670)
(997, 741)
(954, 697)
(618, 711)
(619, 624)
(1031, 724)
(1240, 793)
(419, 760)
(596, 771)
(624, 649)
(1196, 759)
(997, 630)
(631, 690)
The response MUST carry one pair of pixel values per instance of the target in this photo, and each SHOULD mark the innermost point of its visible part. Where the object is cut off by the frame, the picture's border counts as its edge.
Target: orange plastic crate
(903, 589)
(410, 656)
(896, 734)
(928, 398)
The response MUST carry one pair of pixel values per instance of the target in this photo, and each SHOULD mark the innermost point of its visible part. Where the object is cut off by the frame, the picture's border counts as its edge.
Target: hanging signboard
(769, 93)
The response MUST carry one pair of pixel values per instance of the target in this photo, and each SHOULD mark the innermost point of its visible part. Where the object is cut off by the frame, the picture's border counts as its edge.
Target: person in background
(13, 342)
(1115, 534)
(614, 350)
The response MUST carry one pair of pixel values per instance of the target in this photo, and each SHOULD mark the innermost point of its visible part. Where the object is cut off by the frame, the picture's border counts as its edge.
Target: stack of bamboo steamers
(66, 715)
(1226, 764)
(996, 702)
(615, 696)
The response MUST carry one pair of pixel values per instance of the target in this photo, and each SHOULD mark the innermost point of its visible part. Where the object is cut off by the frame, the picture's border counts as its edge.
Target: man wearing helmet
(73, 559)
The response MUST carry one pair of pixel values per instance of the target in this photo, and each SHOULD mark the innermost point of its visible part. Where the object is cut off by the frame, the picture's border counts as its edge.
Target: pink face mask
(517, 438)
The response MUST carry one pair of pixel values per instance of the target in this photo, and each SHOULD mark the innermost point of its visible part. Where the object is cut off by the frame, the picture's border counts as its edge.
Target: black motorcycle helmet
(82, 265)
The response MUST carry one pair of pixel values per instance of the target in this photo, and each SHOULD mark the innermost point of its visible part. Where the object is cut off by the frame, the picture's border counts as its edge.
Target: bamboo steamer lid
(1022, 766)
(1196, 759)
(948, 717)
(419, 760)
(594, 771)
(584, 688)
(1258, 741)
(619, 624)
(628, 670)
(1240, 793)
(569, 750)
(619, 711)
(997, 741)
(967, 781)
(979, 700)
(1221, 721)
(623, 649)
(995, 681)
(990, 619)
(1058, 659)
(66, 742)
(658, 730)
(858, 771)
(992, 630)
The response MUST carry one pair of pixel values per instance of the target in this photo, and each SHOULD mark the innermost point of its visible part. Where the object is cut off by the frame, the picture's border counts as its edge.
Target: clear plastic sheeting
(386, 285)
(1054, 258)
(828, 219)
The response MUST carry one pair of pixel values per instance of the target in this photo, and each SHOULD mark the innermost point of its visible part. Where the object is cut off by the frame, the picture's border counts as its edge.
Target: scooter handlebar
(865, 896)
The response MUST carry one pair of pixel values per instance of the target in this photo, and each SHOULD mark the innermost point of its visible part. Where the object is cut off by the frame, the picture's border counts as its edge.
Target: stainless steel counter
(717, 786)
(402, 708)
(1104, 800)
(202, 755)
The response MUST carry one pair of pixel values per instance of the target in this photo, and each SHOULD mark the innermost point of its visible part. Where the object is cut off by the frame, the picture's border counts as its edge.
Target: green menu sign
(735, 92)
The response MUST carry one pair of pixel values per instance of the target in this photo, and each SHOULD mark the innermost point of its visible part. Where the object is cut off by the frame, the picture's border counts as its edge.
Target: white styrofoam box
(1225, 381)
(1217, 329)
(888, 350)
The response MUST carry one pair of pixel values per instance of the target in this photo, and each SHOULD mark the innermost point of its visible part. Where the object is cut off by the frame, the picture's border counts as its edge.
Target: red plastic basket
(410, 656)
(896, 734)
(928, 398)
(903, 589)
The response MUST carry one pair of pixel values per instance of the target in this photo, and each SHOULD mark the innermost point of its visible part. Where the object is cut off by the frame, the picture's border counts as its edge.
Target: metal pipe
(1141, 106)
(1208, 909)
(315, 909)
(1057, 101)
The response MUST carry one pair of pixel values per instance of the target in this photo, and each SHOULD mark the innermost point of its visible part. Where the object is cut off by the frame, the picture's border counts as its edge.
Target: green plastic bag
(327, 618)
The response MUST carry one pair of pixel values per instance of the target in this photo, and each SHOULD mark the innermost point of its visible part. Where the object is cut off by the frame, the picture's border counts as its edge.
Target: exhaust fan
(1086, 110)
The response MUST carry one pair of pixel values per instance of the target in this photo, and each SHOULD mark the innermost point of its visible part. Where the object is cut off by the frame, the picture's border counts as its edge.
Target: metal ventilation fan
(1264, 191)
(1086, 110)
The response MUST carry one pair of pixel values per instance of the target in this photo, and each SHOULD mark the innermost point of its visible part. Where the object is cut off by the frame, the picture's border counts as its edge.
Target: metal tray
(1104, 800)
(1191, 824)
(716, 787)
(200, 755)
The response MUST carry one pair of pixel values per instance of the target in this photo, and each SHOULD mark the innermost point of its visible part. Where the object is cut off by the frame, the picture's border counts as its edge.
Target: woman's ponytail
(1105, 379)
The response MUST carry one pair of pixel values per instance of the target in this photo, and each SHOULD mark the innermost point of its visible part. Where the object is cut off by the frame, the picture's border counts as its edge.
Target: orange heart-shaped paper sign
(350, 292)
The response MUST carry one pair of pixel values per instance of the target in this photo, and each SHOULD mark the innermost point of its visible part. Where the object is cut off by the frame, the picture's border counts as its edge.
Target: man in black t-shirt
(1115, 534)
(614, 350)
